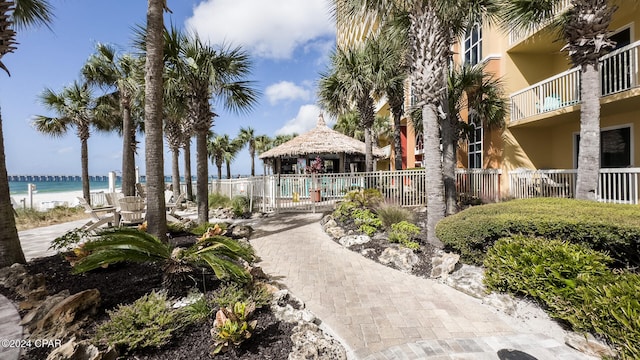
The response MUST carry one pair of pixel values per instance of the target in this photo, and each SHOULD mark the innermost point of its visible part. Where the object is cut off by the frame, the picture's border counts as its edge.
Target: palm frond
(32, 13)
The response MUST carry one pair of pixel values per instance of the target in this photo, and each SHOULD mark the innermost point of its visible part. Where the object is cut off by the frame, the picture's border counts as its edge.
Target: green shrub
(367, 221)
(367, 198)
(199, 310)
(611, 228)
(228, 294)
(547, 270)
(148, 322)
(240, 205)
(393, 214)
(219, 201)
(69, 240)
(575, 285)
(404, 232)
(202, 228)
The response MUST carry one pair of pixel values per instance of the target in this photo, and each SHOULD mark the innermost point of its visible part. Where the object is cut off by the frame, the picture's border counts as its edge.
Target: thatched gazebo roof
(320, 140)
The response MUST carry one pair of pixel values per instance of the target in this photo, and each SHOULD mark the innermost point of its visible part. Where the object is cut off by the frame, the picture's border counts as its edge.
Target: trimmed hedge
(574, 284)
(610, 228)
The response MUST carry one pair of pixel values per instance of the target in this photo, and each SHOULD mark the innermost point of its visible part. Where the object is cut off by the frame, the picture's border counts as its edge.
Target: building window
(473, 45)
(615, 148)
(475, 146)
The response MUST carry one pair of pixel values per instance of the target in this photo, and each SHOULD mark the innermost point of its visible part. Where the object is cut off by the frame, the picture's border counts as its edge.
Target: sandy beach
(48, 200)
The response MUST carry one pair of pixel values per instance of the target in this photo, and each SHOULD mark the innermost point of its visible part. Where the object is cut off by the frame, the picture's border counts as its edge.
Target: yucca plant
(220, 253)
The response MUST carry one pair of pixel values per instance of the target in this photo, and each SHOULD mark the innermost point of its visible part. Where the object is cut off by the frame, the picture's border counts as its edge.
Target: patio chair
(114, 198)
(172, 205)
(131, 210)
(141, 190)
(99, 215)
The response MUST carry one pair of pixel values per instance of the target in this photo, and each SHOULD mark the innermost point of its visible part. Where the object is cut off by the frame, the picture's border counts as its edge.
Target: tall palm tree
(247, 136)
(432, 27)
(123, 73)
(76, 108)
(349, 124)
(585, 29)
(217, 147)
(174, 131)
(212, 74)
(15, 15)
(470, 88)
(154, 155)
(232, 152)
(350, 81)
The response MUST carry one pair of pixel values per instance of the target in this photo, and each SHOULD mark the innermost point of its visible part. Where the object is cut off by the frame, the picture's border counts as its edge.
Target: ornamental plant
(404, 232)
(315, 167)
(232, 326)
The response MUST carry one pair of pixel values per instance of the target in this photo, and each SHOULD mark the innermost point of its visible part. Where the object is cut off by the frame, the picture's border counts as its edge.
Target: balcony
(618, 72)
(517, 36)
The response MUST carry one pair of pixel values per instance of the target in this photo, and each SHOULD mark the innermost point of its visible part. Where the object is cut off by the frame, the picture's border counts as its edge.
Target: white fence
(618, 72)
(614, 185)
(482, 184)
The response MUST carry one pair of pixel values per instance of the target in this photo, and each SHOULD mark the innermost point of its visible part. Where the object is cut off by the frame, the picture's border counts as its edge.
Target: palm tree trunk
(228, 163)
(187, 170)
(589, 149)
(397, 141)
(128, 153)
(252, 153)
(202, 174)
(10, 249)
(449, 164)
(433, 170)
(368, 144)
(154, 152)
(175, 170)
(84, 161)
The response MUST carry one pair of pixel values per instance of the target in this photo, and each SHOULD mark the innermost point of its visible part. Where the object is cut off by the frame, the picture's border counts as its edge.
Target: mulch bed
(126, 282)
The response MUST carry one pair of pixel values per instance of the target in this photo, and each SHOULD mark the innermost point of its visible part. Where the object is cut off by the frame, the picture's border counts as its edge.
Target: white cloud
(65, 150)
(284, 91)
(305, 120)
(271, 29)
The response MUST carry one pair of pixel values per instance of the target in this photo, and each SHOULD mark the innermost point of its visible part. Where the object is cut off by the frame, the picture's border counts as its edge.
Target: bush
(610, 228)
(575, 285)
(31, 218)
(403, 233)
(393, 214)
(240, 205)
(219, 201)
(366, 220)
(367, 198)
(204, 227)
(228, 294)
(148, 322)
(233, 326)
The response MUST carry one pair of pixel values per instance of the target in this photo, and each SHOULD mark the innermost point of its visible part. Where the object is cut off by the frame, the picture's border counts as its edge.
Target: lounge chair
(99, 215)
(131, 210)
(141, 190)
(114, 198)
(172, 205)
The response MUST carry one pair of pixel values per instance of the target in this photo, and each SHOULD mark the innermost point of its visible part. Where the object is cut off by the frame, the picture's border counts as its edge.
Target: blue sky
(289, 41)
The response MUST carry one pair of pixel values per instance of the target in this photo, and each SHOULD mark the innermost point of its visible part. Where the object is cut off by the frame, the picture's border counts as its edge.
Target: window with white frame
(615, 147)
(473, 45)
(475, 145)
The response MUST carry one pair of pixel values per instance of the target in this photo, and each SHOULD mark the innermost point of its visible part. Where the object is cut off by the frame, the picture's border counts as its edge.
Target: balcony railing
(618, 73)
(517, 36)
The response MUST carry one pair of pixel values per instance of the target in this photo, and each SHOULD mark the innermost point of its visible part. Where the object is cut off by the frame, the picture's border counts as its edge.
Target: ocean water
(20, 187)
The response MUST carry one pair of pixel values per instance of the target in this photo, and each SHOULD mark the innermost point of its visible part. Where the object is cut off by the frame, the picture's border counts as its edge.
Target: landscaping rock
(401, 258)
(289, 308)
(239, 231)
(326, 219)
(351, 240)
(11, 276)
(443, 264)
(82, 350)
(335, 232)
(502, 302)
(310, 342)
(468, 279)
(589, 345)
(329, 224)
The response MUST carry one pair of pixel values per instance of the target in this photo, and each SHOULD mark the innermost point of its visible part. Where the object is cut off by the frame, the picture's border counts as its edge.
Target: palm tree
(585, 29)
(16, 14)
(154, 155)
(349, 124)
(471, 88)
(76, 108)
(247, 136)
(107, 68)
(212, 74)
(281, 139)
(351, 81)
(432, 27)
(174, 131)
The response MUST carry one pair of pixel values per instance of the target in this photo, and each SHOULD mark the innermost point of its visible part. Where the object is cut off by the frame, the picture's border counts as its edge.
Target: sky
(289, 42)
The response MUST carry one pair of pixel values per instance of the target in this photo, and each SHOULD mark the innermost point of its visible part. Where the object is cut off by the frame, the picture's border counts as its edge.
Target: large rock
(82, 350)
(469, 280)
(401, 258)
(335, 232)
(351, 240)
(62, 316)
(289, 308)
(311, 343)
(589, 345)
(443, 264)
(239, 231)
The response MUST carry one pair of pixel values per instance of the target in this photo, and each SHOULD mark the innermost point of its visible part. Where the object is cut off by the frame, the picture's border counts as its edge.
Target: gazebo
(340, 153)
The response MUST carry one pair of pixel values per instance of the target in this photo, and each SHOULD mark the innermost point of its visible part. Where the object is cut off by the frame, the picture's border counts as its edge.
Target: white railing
(517, 36)
(619, 69)
(551, 94)
(481, 184)
(618, 72)
(614, 185)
